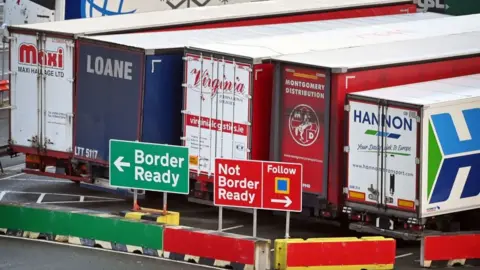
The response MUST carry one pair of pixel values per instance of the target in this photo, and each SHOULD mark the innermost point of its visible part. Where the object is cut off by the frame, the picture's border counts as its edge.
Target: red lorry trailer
(323, 197)
(42, 128)
(310, 91)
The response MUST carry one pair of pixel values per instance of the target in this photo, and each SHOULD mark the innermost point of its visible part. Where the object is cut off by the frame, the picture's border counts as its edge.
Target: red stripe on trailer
(194, 242)
(317, 16)
(451, 247)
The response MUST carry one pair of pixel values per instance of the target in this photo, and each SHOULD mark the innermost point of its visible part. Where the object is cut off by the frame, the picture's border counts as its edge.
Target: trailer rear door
(382, 156)
(42, 90)
(217, 110)
(24, 84)
(57, 99)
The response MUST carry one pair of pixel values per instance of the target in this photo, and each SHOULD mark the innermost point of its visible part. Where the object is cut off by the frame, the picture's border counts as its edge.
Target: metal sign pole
(135, 204)
(287, 226)
(255, 222)
(164, 203)
(220, 218)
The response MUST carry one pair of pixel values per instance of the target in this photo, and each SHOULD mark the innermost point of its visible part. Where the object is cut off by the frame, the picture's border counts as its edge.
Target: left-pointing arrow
(120, 164)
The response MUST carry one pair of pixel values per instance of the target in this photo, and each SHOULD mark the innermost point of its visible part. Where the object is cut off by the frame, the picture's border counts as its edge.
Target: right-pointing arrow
(287, 201)
(119, 163)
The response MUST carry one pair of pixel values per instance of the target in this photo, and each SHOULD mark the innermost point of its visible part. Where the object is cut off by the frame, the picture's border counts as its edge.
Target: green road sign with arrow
(147, 166)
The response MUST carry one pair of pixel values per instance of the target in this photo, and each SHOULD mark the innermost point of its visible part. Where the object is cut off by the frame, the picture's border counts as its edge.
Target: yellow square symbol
(282, 185)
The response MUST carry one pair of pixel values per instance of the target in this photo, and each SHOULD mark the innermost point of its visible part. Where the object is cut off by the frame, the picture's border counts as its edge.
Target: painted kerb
(93, 226)
(155, 167)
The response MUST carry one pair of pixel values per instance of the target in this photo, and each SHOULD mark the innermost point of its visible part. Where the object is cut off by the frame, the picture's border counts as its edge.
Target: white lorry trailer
(413, 157)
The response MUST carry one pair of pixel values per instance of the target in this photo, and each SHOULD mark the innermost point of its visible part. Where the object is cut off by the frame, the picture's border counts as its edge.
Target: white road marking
(67, 202)
(111, 251)
(14, 167)
(232, 228)
(60, 194)
(40, 198)
(45, 180)
(404, 255)
(2, 194)
(11, 176)
(35, 179)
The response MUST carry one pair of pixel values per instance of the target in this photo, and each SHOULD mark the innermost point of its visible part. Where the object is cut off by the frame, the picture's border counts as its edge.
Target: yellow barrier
(171, 218)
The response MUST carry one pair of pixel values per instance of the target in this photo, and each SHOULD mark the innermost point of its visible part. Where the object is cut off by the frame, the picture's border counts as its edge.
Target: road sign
(258, 184)
(147, 166)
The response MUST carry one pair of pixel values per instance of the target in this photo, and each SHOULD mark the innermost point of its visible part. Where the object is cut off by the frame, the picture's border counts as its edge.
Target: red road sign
(258, 184)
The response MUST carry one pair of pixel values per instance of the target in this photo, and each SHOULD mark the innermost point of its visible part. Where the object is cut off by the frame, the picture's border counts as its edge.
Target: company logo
(304, 125)
(29, 55)
(454, 155)
(372, 118)
(382, 134)
(98, 8)
(433, 209)
(424, 5)
(204, 82)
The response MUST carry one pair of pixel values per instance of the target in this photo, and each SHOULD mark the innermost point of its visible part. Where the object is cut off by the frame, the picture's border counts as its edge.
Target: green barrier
(88, 225)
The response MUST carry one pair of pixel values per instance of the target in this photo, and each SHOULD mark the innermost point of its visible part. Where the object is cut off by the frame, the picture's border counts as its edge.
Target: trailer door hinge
(417, 203)
(346, 108)
(345, 190)
(346, 149)
(417, 118)
(417, 161)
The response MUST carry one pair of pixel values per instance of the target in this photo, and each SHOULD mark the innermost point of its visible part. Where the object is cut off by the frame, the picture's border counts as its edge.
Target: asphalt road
(20, 254)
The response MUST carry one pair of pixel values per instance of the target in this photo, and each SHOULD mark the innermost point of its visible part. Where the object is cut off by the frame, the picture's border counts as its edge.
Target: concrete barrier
(87, 228)
(349, 253)
(216, 248)
(450, 249)
(171, 218)
(104, 230)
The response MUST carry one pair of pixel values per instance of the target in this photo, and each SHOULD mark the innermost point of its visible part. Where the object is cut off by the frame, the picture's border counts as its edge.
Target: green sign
(147, 166)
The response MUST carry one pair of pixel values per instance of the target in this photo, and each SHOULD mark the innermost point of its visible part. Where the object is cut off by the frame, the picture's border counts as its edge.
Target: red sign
(258, 184)
(303, 123)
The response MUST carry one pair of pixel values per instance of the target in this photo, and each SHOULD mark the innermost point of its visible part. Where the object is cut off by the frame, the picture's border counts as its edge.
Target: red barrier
(451, 248)
(4, 85)
(341, 253)
(216, 248)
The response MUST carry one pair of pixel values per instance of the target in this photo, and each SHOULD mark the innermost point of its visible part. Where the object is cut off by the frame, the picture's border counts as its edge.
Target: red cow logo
(30, 55)
(304, 125)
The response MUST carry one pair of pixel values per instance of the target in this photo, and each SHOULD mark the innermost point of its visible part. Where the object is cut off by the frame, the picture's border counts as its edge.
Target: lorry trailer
(222, 60)
(145, 94)
(309, 94)
(413, 157)
(48, 138)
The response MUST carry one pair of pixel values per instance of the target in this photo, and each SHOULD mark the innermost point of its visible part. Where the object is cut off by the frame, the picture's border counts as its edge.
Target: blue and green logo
(448, 154)
(382, 134)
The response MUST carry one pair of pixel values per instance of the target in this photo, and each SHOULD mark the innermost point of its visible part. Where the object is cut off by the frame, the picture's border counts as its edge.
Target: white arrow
(153, 64)
(119, 164)
(287, 201)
